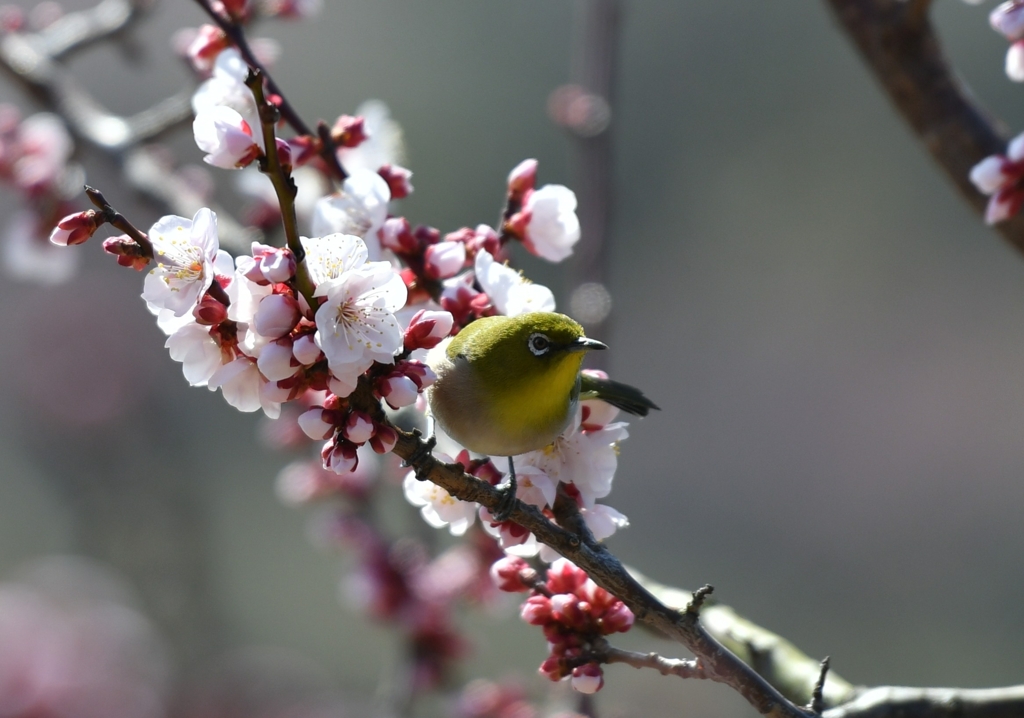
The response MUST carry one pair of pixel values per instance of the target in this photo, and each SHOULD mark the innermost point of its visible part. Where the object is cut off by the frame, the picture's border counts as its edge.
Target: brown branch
(284, 185)
(118, 220)
(780, 662)
(900, 46)
(601, 565)
(898, 702)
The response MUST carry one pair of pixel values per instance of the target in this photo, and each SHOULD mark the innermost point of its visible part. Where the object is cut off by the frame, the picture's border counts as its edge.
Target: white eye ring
(539, 344)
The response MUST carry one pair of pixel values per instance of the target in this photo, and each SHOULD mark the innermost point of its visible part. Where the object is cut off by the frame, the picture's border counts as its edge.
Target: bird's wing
(625, 397)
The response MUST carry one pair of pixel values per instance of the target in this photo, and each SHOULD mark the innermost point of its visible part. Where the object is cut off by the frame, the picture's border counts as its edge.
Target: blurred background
(836, 341)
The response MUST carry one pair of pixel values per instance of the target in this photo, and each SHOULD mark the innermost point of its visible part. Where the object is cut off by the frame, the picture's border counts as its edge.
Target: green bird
(508, 385)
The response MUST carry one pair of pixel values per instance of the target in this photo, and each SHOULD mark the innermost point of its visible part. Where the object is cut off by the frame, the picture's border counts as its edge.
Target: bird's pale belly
(474, 420)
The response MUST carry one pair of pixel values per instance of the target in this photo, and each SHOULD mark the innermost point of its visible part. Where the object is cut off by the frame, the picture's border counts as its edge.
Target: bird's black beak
(584, 344)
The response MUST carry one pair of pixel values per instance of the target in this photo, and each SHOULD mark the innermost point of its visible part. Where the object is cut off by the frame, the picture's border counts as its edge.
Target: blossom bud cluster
(345, 430)
(574, 612)
(1002, 178)
(1008, 20)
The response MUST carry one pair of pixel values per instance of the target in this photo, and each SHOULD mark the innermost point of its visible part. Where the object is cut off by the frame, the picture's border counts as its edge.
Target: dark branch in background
(900, 46)
(31, 59)
(584, 108)
(236, 34)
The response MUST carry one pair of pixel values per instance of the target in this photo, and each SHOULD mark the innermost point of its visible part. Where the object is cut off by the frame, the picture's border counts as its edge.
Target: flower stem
(284, 185)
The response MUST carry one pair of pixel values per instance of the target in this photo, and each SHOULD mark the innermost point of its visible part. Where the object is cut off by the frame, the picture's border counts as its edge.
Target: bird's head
(542, 346)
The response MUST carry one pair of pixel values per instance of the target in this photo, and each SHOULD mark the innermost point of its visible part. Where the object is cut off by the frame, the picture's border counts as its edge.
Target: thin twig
(699, 596)
(236, 34)
(118, 220)
(817, 702)
(284, 185)
(684, 668)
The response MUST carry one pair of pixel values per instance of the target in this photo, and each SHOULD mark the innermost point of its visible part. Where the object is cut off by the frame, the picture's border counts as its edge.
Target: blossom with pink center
(356, 324)
(510, 292)
(1002, 177)
(225, 137)
(185, 251)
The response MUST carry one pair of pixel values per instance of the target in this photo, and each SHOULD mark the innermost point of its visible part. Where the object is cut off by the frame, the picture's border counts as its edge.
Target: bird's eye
(539, 344)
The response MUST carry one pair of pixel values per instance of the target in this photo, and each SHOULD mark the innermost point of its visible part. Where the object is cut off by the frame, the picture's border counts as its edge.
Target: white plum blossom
(510, 292)
(198, 352)
(227, 88)
(553, 228)
(242, 385)
(185, 251)
(586, 459)
(359, 209)
(226, 138)
(356, 325)
(45, 148)
(437, 506)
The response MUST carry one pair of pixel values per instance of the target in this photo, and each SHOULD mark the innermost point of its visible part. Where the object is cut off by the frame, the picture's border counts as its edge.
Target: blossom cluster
(311, 331)
(574, 612)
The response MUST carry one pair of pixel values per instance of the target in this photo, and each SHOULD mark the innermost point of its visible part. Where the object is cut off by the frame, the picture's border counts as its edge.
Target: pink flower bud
(398, 390)
(277, 315)
(398, 180)
(551, 669)
(306, 351)
(237, 9)
(505, 572)
(127, 251)
(421, 374)
(316, 424)
(396, 235)
(522, 178)
(358, 427)
(272, 264)
(587, 678)
(563, 605)
(349, 131)
(427, 329)
(276, 361)
(207, 43)
(444, 259)
(209, 311)
(340, 456)
(384, 439)
(484, 238)
(76, 228)
(617, 619)
(536, 610)
(565, 577)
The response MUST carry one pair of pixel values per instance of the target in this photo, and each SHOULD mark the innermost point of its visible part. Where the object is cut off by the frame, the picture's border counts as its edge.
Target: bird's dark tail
(623, 396)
